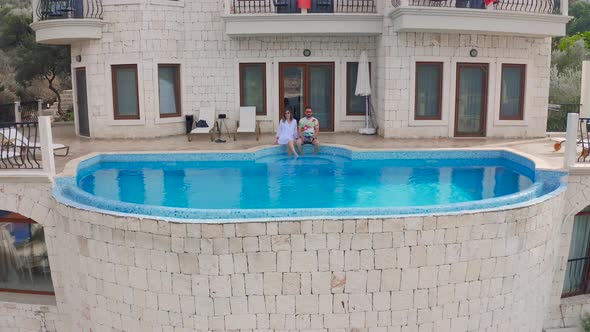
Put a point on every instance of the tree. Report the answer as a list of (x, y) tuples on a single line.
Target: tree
[(567, 42), (580, 22), (30, 60), (43, 61)]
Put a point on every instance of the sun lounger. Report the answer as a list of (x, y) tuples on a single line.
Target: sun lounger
[(14, 134), (206, 114), (247, 122)]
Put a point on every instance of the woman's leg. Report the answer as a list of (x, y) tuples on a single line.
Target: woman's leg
[(291, 148)]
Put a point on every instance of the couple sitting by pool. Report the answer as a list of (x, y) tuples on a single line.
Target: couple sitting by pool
[(307, 132)]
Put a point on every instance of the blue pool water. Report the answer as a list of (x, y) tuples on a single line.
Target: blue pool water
[(336, 183), (308, 182)]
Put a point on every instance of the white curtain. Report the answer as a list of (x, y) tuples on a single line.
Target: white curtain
[(167, 85), (470, 100), (428, 89)]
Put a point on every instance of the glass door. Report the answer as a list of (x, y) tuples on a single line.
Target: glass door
[(308, 84), (82, 102), (471, 100)]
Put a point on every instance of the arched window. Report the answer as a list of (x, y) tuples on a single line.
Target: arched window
[(24, 265)]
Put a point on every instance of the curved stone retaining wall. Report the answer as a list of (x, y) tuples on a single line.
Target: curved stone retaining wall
[(473, 272)]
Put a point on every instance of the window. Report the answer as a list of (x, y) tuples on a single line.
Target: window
[(125, 92), (576, 274), (169, 90), (355, 105), (253, 86), (428, 99), (512, 92), (25, 263)]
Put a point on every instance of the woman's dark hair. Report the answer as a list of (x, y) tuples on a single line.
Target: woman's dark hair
[(284, 119)]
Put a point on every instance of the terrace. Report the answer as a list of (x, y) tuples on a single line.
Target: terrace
[(287, 17), (536, 18), (61, 22)]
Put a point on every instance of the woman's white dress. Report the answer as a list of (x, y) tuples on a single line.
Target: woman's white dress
[(287, 131)]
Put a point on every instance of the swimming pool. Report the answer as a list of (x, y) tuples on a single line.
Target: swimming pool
[(337, 183)]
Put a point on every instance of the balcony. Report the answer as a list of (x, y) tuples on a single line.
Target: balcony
[(60, 22), (285, 17), (535, 18)]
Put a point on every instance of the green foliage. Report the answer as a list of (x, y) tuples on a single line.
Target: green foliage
[(567, 42), (27, 61), (580, 11), (586, 322)]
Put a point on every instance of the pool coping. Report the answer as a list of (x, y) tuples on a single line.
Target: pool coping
[(71, 170)]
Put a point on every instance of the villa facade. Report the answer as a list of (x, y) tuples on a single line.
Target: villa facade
[(73, 259), (438, 68)]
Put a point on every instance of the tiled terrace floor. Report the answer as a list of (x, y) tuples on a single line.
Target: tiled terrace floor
[(541, 149)]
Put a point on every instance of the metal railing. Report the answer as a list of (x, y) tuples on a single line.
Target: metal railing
[(29, 111), (62, 9), (290, 6), (19, 146), (584, 140), (529, 6), (557, 116), (576, 277)]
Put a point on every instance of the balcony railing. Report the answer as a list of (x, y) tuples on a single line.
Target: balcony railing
[(19, 146), (584, 140), (576, 277), (64, 9), (529, 6), (290, 6)]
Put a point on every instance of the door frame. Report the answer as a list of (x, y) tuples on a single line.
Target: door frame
[(306, 91), (76, 99), (485, 92)]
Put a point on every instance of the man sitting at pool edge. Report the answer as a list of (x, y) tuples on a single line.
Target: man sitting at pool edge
[(309, 128)]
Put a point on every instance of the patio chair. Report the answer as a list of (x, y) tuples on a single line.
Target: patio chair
[(206, 114), (14, 134), (247, 122)]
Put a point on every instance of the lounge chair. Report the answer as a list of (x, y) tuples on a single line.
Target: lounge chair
[(247, 122), (14, 134), (206, 114)]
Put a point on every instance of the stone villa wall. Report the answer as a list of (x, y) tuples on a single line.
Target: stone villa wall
[(476, 272), (191, 33), (24, 317), (399, 51), (471, 272), (568, 311)]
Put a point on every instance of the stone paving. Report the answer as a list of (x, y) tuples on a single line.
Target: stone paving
[(541, 149)]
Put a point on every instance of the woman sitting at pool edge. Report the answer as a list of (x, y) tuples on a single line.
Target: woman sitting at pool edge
[(287, 133)]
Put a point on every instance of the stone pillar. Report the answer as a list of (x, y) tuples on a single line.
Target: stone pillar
[(571, 137), (585, 91), (564, 7), (17, 117), (46, 145)]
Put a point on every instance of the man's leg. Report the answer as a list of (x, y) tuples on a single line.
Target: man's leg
[(299, 142), (316, 146)]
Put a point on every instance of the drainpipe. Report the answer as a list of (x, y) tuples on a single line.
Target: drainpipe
[(569, 157)]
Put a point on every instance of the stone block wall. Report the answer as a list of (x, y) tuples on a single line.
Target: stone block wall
[(566, 312), (22, 317), (191, 33), (399, 52), (472, 272)]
